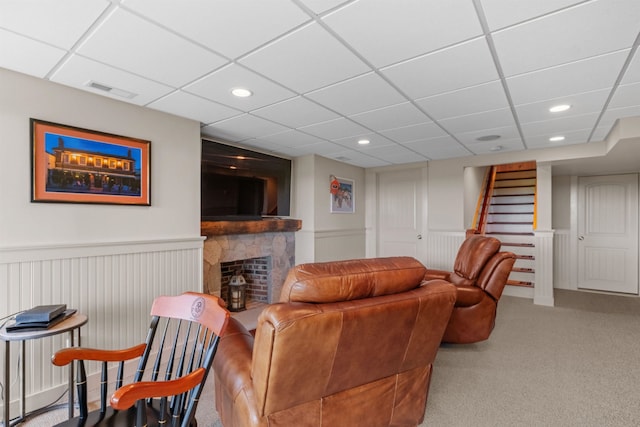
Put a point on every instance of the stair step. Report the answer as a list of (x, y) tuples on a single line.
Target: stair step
[(513, 183), (516, 174), (519, 283), (514, 191), (510, 222), (511, 199), (521, 245), (506, 208), (509, 233)]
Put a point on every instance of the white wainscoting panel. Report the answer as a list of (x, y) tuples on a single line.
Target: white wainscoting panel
[(114, 284), (562, 260), (442, 248)]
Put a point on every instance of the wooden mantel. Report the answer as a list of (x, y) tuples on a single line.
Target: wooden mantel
[(221, 228)]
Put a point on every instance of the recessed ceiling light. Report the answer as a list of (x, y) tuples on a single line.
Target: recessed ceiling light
[(241, 92), (488, 138), (556, 138), (496, 148), (363, 141), (559, 108)]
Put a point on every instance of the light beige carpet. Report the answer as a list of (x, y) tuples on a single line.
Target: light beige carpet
[(576, 364)]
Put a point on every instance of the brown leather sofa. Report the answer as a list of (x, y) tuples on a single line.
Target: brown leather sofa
[(480, 273), (351, 343)]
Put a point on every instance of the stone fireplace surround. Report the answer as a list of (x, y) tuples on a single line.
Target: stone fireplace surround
[(239, 240)]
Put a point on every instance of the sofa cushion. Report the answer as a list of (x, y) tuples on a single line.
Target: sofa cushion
[(351, 280)]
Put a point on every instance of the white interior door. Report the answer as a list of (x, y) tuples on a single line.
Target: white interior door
[(608, 233), (400, 213)]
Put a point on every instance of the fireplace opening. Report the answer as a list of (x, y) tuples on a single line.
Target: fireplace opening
[(256, 272)]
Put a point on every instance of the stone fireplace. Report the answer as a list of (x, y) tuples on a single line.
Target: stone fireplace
[(232, 245)]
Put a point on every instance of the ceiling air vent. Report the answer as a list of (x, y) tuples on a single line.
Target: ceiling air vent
[(112, 90)]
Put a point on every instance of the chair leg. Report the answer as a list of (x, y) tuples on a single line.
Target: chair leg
[(81, 384)]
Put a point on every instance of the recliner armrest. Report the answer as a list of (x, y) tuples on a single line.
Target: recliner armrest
[(468, 295), (232, 364), (436, 274)]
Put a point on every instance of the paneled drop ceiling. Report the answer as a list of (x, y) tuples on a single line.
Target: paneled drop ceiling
[(418, 79)]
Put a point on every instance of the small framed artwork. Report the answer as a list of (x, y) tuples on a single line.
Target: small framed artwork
[(342, 195), (74, 165)]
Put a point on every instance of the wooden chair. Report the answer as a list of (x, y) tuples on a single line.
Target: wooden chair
[(189, 327)]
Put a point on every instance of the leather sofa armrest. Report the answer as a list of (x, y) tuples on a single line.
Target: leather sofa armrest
[(468, 295), (232, 363), (436, 274)]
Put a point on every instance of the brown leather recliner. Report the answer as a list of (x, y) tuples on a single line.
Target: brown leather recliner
[(480, 273), (350, 344)]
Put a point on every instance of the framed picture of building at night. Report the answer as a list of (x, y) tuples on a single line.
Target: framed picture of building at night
[(74, 165)]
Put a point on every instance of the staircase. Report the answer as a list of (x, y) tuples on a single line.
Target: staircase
[(508, 213)]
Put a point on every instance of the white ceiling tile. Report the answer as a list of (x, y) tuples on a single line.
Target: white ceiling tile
[(292, 138), (439, 148), (335, 129), (321, 6), (152, 52), (559, 126), (311, 66), (27, 56), (375, 141), (59, 23), (503, 13), (414, 132), (217, 87), (373, 27), (395, 116), (568, 36), (479, 121), (581, 76), (581, 103), (79, 72), (445, 70), (296, 112), (632, 74), (505, 133), (314, 59), (579, 136), (357, 158), (244, 127), (396, 154), (363, 93), (265, 146), (620, 113), (231, 28), (484, 97), (626, 96), (493, 147), (324, 148), (187, 105)]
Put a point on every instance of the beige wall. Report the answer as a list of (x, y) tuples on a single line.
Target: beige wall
[(326, 236), (175, 165)]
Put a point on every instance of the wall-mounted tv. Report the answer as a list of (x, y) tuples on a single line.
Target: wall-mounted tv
[(240, 184)]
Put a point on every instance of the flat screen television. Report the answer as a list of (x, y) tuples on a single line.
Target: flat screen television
[(240, 184)]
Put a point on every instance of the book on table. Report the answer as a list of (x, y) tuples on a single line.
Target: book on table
[(40, 318)]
